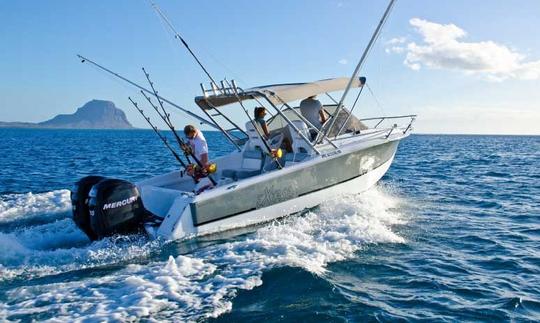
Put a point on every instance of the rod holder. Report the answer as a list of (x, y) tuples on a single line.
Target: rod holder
[(204, 91), (223, 88)]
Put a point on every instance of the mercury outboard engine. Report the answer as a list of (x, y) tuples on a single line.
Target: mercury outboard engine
[(112, 206), (79, 204)]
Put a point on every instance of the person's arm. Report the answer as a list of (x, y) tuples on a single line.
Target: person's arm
[(265, 129), (323, 116)]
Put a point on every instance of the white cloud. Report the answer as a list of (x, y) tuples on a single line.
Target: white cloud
[(343, 61), (395, 49), (443, 48), (397, 40)]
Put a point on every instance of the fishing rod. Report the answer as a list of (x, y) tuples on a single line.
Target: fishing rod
[(176, 156), (191, 114), (166, 117), (179, 37), (188, 152), (165, 120), (358, 66)]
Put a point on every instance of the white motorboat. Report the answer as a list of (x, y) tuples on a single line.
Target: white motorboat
[(251, 188), (254, 183)]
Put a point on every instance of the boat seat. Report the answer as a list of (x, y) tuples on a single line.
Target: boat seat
[(300, 148), (253, 137), (251, 164), (299, 145)]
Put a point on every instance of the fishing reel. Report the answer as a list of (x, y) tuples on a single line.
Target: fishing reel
[(199, 172), (276, 153)]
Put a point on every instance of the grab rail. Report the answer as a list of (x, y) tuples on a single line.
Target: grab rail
[(391, 129), (412, 116)]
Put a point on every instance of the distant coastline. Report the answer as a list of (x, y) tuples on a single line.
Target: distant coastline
[(95, 114)]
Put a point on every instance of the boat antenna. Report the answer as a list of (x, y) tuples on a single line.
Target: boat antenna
[(181, 39), (141, 111), (357, 69), (191, 114)]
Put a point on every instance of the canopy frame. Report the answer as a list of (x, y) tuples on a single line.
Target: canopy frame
[(286, 92), (229, 93)]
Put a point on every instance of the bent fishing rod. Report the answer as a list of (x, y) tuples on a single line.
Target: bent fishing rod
[(191, 114), (141, 111)]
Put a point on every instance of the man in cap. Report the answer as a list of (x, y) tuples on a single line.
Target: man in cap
[(313, 111), (197, 144)]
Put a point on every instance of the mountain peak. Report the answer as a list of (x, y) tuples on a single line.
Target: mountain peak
[(95, 114)]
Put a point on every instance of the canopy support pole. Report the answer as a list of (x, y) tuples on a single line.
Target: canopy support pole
[(350, 113), (358, 66)]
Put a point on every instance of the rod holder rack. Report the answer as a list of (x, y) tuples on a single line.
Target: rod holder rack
[(224, 88)]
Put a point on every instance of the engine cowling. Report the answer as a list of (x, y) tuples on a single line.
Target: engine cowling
[(115, 206), (79, 204)]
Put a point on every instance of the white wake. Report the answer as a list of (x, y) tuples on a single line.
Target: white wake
[(204, 283)]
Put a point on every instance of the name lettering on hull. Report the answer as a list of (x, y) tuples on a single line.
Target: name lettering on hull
[(273, 195), (332, 153)]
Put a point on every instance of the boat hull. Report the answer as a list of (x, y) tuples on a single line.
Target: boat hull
[(354, 186), (301, 188)]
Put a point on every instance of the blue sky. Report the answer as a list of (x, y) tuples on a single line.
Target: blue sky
[(462, 66)]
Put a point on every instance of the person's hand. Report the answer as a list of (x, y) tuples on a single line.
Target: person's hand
[(187, 149)]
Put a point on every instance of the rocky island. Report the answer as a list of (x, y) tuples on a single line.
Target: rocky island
[(95, 114)]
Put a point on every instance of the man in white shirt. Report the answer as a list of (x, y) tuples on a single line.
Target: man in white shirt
[(313, 111), (198, 144)]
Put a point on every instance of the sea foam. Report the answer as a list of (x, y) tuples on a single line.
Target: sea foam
[(28, 205), (203, 283)]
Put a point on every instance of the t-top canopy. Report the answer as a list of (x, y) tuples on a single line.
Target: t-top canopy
[(280, 93)]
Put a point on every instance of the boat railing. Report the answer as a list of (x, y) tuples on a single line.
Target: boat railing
[(391, 129)]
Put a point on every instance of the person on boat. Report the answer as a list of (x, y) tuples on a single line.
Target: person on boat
[(259, 114), (197, 143), (312, 110), (198, 147)]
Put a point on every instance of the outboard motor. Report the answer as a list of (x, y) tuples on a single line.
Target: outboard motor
[(115, 206), (79, 204)]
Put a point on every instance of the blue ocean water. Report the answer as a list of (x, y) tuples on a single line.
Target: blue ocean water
[(451, 233)]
